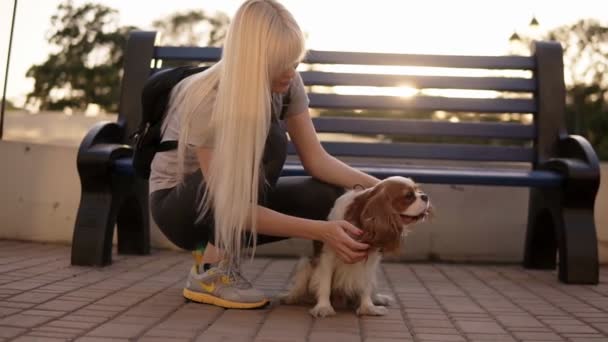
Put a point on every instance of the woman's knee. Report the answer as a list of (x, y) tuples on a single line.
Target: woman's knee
[(304, 197), (324, 192), (177, 220)]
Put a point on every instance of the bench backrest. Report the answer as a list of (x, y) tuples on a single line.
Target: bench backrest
[(536, 90)]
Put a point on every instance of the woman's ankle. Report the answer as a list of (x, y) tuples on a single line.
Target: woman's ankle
[(212, 254)]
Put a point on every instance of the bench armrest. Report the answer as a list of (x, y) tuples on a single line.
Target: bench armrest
[(575, 155), (577, 147), (579, 165), (102, 132), (99, 148)]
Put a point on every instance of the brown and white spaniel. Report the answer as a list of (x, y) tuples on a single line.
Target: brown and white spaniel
[(385, 214)]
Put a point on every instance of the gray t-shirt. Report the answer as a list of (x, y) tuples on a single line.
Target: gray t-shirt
[(164, 165)]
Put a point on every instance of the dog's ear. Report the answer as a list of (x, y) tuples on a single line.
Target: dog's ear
[(354, 209), (431, 213), (380, 223)]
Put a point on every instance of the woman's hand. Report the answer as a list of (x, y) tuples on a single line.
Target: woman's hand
[(337, 233)]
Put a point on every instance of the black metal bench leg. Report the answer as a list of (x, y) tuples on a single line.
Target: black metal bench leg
[(578, 255), (94, 228), (553, 227), (540, 250), (133, 225)]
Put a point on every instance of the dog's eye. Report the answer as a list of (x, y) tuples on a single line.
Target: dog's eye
[(410, 195)]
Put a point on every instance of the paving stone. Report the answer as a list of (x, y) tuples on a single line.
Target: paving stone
[(324, 336), (25, 321), (42, 298), (481, 327), (61, 304), (4, 311), (117, 330), (440, 337), (162, 339), (39, 338), (101, 339), (574, 328), (490, 338), (48, 313), (33, 297), (539, 336), (8, 332)]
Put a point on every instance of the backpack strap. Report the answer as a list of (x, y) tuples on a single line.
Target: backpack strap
[(168, 145), (285, 105)]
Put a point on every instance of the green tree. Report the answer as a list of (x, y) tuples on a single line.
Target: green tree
[(9, 105), (86, 65), (192, 28), (88, 44), (585, 45), (586, 59)]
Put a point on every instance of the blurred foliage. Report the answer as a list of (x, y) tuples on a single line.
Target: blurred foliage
[(85, 67), (585, 45), (9, 105), (192, 28)]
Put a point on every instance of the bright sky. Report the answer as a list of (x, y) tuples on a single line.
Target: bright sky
[(423, 26)]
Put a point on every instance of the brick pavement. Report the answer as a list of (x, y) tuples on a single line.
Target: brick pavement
[(42, 298)]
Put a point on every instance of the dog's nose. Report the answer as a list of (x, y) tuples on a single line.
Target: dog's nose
[(424, 197)]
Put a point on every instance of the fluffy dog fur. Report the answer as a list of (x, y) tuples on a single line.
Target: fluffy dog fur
[(384, 213)]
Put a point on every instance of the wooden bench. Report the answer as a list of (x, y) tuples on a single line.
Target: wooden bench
[(561, 170)]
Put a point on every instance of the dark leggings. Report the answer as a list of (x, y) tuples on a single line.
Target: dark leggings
[(175, 210)]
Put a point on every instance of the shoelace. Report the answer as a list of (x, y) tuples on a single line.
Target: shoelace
[(234, 274)]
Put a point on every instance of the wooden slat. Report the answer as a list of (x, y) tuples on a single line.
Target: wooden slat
[(427, 151), (475, 62), (318, 100), (419, 82), (355, 125), (334, 57)]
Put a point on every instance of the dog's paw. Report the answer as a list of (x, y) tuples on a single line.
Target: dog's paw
[(291, 298), (382, 299), (372, 310), (322, 311), (287, 298)]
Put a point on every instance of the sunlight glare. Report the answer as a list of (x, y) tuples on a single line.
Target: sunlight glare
[(401, 91)]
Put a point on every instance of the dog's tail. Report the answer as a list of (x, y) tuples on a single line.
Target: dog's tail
[(298, 292)]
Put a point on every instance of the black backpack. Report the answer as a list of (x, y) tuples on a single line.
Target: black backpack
[(154, 100)]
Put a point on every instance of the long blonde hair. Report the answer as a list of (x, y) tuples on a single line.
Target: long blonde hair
[(262, 42)]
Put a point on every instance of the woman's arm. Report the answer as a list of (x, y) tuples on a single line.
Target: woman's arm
[(271, 222), (334, 233), (317, 161)]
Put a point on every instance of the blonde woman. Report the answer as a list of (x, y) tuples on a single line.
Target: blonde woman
[(220, 191)]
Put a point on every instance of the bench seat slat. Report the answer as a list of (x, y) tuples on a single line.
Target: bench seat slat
[(425, 103), (438, 175), (354, 125), (431, 175), (427, 151), (419, 82)]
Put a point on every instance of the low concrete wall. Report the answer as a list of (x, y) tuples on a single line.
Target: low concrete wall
[(41, 192)]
